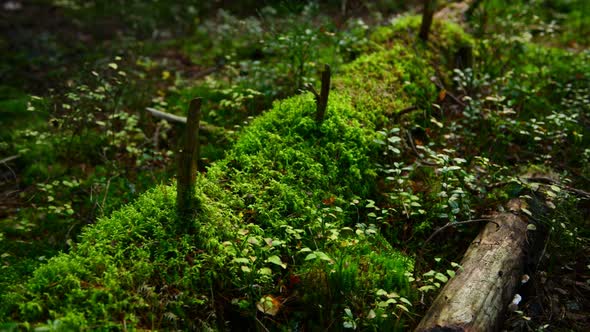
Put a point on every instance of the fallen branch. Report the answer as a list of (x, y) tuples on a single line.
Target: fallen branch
[(310, 88), (322, 101), (204, 127), (9, 159), (543, 180), (166, 116)]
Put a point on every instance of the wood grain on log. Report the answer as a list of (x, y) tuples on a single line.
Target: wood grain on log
[(476, 298)]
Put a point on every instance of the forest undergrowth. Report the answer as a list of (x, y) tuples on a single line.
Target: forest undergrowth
[(350, 223)]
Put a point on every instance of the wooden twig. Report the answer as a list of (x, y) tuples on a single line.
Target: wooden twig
[(550, 181), (261, 325), (413, 146), (322, 101), (204, 127), (166, 116), (453, 224), (439, 85), (427, 14), (156, 137), (406, 111), (343, 8), (106, 193), (187, 163), (310, 88), (6, 160), (543, 251), (9, 159)]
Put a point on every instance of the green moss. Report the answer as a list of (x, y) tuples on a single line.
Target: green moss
[(300, 167), (443, 48), (397, 71), (357, 272), (445, 36), (383, 83), (281, 194)]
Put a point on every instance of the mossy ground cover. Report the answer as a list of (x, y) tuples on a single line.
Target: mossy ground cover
[(303, 225), (88, 148), (279, 235)]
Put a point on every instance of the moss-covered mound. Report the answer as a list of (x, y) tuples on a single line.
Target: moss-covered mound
[(278, 239)]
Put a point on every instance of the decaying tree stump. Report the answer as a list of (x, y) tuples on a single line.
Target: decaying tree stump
[(476, 298)]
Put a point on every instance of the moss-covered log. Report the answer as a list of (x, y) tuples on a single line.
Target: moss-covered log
[(278, 240), (476, 298)]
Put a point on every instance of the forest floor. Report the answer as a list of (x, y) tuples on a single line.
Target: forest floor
[(50, 57)]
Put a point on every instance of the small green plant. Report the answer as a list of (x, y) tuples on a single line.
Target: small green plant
[(433, 280), (349, 322)]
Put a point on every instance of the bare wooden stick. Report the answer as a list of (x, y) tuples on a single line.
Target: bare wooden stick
[(166, 116), (187, 162), (322, 101), (8, 159), (439, 85), (427, 14), (311, 89), (204, 127)]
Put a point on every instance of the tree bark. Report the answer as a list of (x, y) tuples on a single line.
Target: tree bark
[(476, 298)]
